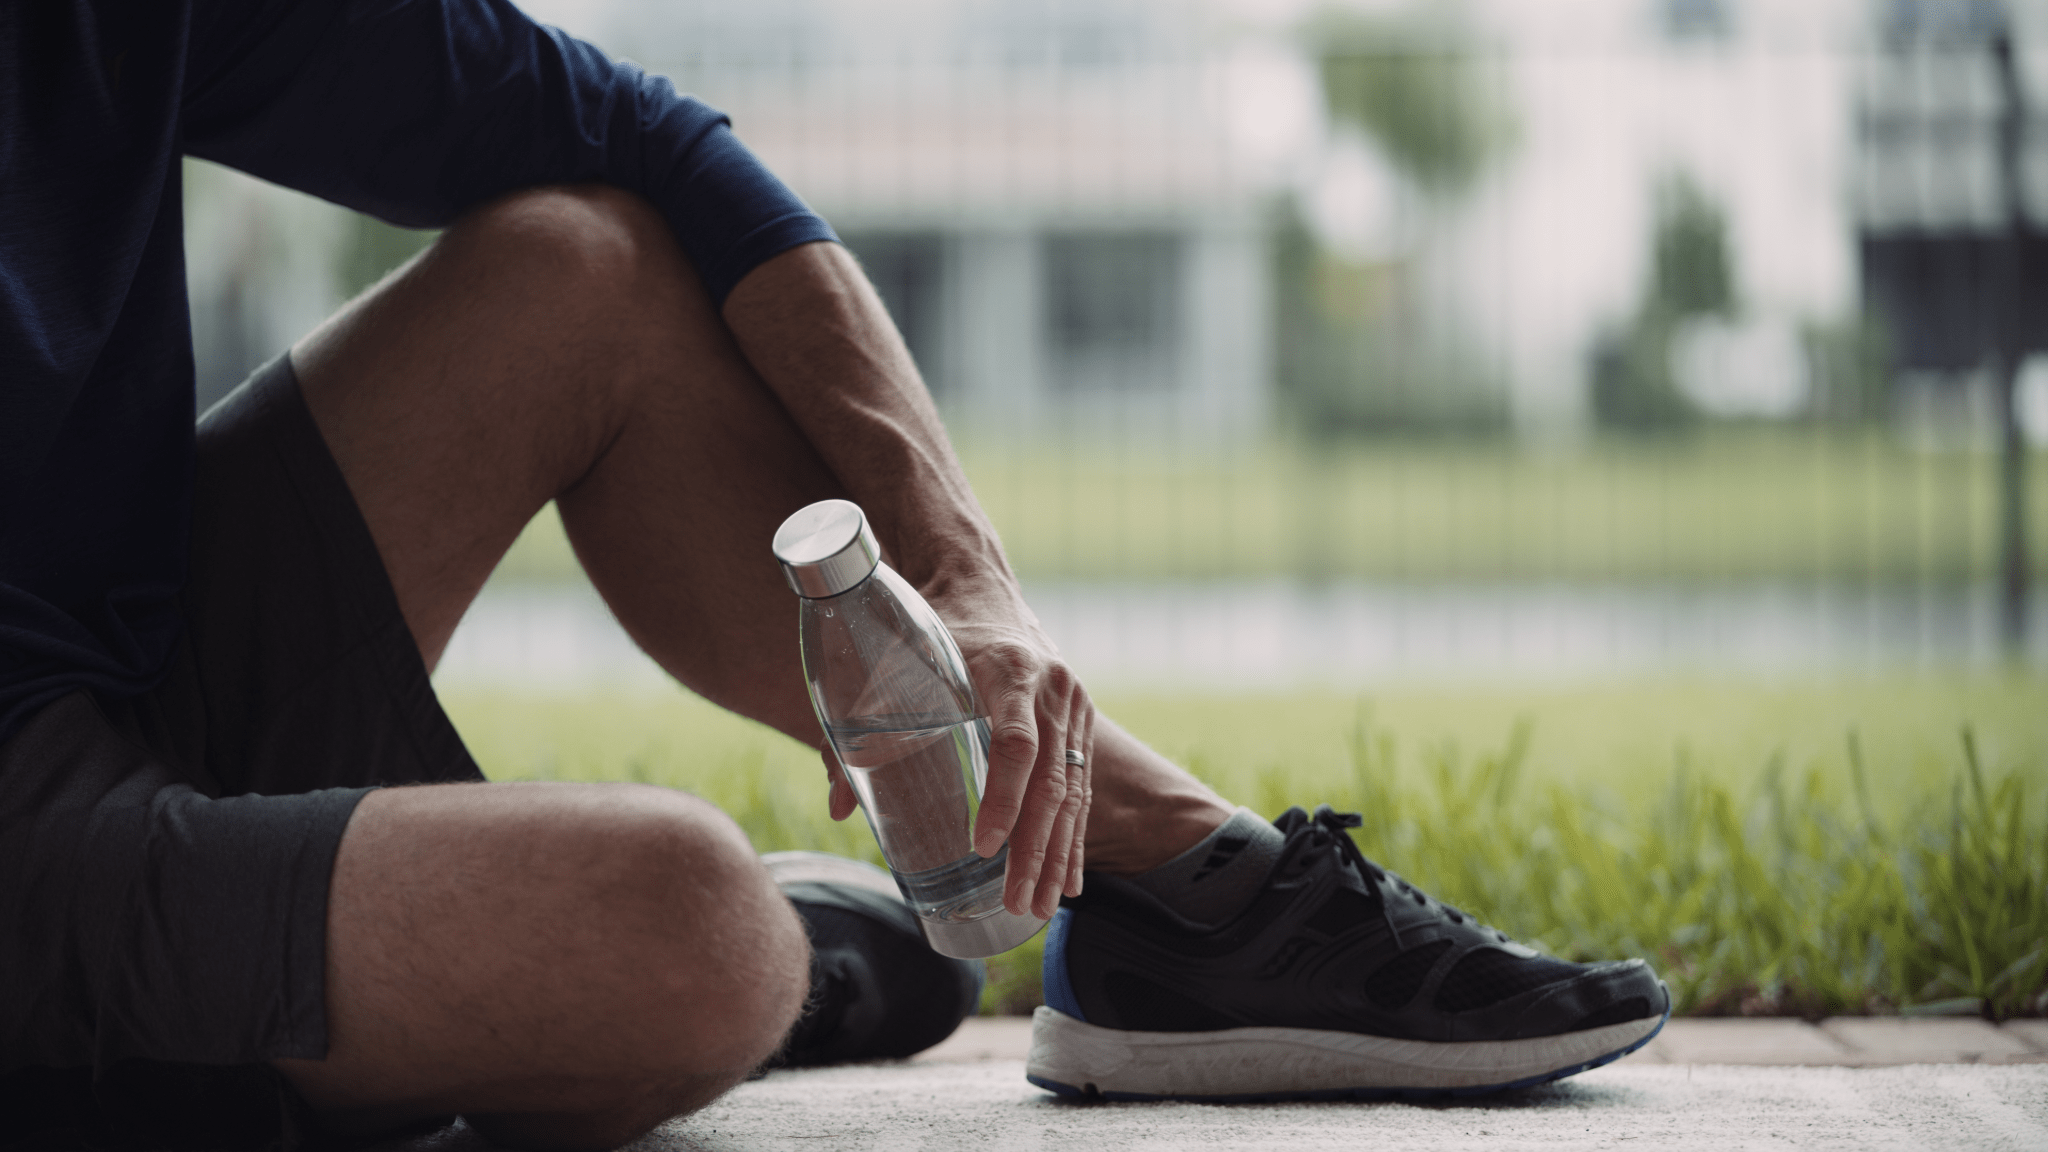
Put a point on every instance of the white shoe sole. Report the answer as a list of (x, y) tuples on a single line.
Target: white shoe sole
[(1077, 1059)]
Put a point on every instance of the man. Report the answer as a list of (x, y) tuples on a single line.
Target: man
[(216, 927)]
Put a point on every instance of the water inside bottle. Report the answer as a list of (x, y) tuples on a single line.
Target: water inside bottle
[(919, 777)]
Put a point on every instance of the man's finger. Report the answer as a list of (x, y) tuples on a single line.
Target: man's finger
[(1063, 846), (1031, 841), (1084, 784), (1038, 828), (1059, 851), (841, 799), (1012, 753)]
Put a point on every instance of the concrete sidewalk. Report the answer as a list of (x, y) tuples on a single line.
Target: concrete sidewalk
[(1688, 1108), (1703, 1085)]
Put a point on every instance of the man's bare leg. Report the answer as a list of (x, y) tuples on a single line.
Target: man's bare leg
[(557, 346), (566, 965)]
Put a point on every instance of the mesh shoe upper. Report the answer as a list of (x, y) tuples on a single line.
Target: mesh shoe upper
[(1333, 942)]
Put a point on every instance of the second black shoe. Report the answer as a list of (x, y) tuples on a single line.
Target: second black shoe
[(1338, 981), (878, 991)]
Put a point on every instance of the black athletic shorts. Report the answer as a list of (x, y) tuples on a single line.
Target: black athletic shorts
[(164, 860)]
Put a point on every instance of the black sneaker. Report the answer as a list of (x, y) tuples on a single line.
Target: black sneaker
[(1339, 981), (878, 991)]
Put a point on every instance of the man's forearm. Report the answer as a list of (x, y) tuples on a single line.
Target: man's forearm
[(819, 336), (814, 329)]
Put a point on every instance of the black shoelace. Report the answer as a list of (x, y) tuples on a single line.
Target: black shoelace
[(1329, 826)]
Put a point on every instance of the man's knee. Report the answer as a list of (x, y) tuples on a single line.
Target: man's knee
[(601, 955), (689, 882)]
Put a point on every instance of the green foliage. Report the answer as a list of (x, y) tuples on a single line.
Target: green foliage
[(1633, 387), (1348, 364), (1355, 351), (1691, 272), (1413, 82), (1885, 867), (1785, 897), (1850, 360), (1691, 278)]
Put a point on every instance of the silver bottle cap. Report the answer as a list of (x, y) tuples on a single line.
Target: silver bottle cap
[(826, 548)]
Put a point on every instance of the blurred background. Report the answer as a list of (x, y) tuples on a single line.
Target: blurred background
[(1603, 441), (1294, 344)]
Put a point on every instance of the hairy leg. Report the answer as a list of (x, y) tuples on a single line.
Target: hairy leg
[(567, 965)]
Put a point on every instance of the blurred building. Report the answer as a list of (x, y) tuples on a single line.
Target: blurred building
[(1950, 184), (1952, 256), (1043, 193), (1067, 205)]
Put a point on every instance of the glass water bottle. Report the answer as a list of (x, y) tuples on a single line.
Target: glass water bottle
[(892, 693)]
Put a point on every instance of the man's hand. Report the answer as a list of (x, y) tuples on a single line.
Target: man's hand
[(812, 326), (1036, 800), (1038, 712)]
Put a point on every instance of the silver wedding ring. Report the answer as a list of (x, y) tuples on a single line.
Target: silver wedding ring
[(1075, 758)]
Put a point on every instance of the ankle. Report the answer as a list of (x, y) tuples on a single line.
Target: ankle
[(1127, 838), (1146, 809)]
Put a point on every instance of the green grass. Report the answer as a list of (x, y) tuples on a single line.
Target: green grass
[(1724, 505), (1849, 846)]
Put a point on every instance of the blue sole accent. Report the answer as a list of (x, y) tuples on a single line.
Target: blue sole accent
[(1059, 989), (1070, 1092)]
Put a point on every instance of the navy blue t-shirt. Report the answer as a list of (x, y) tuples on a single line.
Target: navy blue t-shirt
[(411, 110)]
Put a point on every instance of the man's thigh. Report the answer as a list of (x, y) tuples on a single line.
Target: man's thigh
[(297, 670)]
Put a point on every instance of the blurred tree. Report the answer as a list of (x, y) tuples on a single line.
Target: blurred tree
[(1634, 389), (1412, 82), (1851, 368), (1691, 278), (1359, 348), (1346, 359)]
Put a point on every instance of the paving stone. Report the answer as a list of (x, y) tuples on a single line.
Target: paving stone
[(1895, 1040), (2031, 1032), (1755, 1041)]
